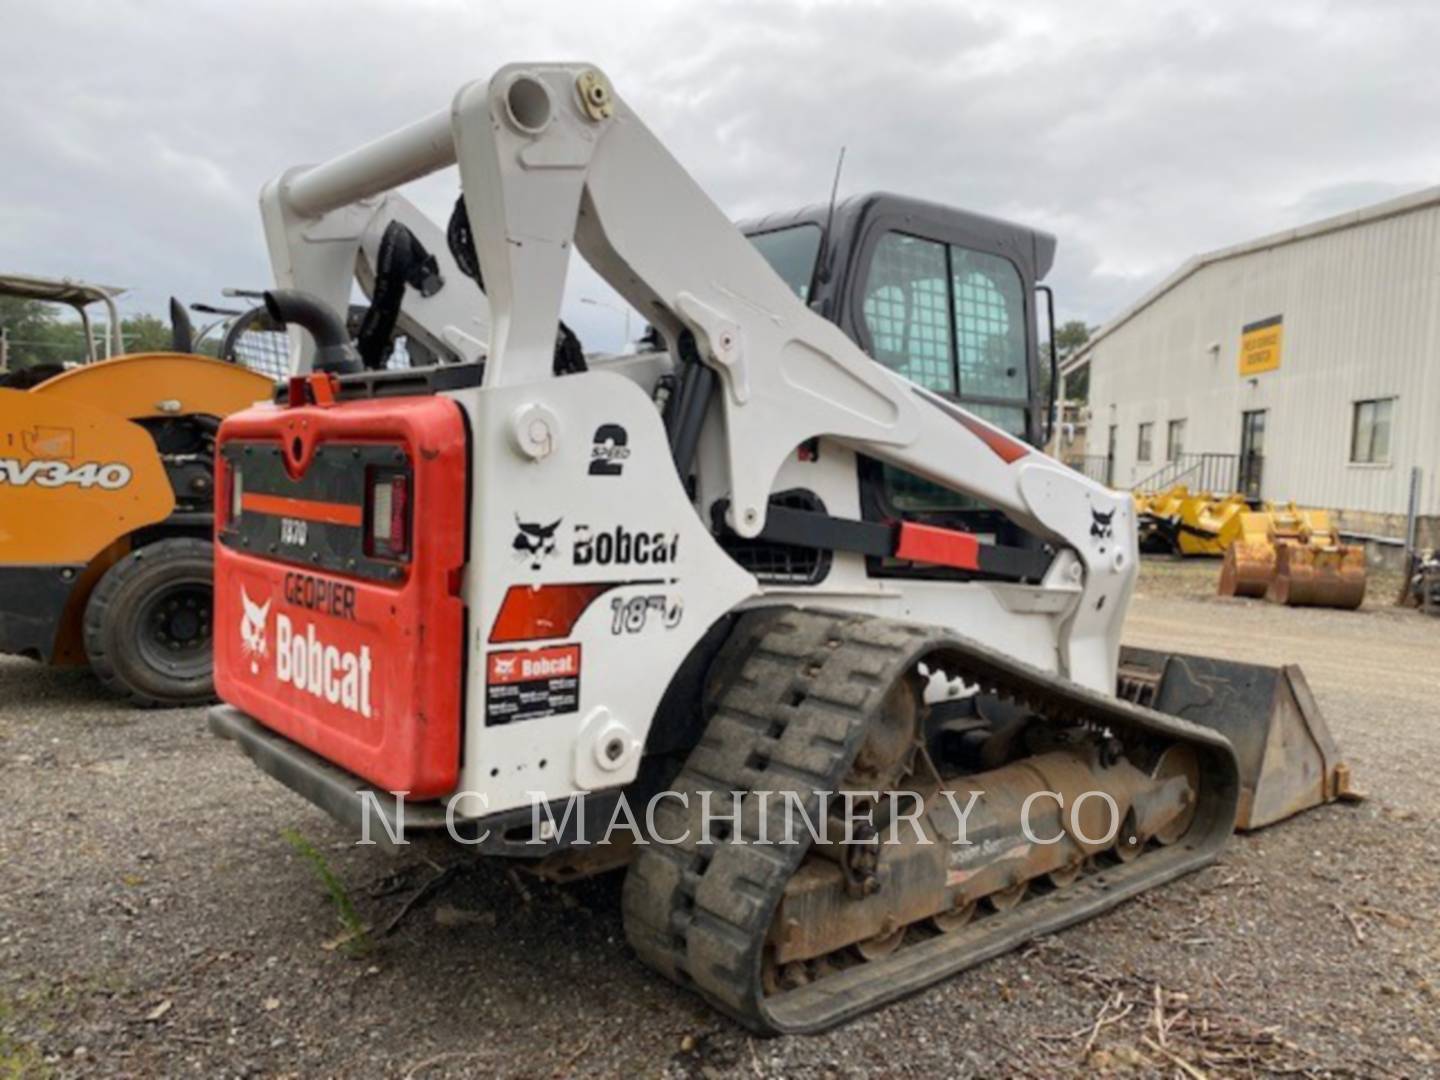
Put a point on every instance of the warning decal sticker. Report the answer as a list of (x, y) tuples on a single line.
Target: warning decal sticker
[(529, 684)]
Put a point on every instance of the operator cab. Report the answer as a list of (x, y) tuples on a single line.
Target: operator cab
[(945, 297)]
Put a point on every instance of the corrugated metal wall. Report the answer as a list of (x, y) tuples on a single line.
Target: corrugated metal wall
[(1361, 311)]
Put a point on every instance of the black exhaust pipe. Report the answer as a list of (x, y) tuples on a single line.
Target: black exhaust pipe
[(182, 334), (333, 351)]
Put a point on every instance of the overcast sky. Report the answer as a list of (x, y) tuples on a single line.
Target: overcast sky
[(135, 136)]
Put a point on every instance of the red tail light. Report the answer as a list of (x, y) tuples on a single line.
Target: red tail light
[(387, 514), (227, 507)]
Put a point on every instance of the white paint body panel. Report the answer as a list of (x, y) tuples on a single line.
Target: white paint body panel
[(606, 186)]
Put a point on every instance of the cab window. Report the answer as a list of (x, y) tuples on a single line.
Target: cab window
[(989, 304), (951, 319), (907, 311), (791, 254)]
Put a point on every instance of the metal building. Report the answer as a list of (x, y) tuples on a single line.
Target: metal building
[(1302, 366)]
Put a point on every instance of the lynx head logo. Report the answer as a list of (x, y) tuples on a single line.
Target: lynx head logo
[(535, 542), (1100, 527), (252, 629)]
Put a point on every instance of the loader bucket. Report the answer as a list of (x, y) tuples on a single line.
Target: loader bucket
[(1307, 576), (1247, 569), (1288, 760)]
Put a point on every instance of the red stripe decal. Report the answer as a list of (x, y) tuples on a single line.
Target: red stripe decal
[(535, 612), (940, 547), (1009, 450), (309, 509)]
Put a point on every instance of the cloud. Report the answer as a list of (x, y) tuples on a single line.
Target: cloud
[(136, 135)]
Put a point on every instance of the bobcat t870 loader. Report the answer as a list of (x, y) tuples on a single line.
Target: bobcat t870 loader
[(740, 578)]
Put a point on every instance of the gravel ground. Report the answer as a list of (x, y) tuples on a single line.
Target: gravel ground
[(157, 915)]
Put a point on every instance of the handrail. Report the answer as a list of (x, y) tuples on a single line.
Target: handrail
[(1214, 472)]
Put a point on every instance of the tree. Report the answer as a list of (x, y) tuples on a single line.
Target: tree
[(146, 333), (1070, 338), (36, 333), (30, 330)]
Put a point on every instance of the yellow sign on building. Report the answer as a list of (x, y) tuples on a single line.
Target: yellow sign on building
[(1260, 345)]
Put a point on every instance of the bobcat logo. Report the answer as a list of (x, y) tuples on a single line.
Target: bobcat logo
[(1100, 525), (535, 542), (252, 630), (504, 667)]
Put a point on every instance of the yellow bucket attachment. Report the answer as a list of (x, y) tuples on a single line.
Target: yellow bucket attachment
[(1294, 557), (1208, 525)]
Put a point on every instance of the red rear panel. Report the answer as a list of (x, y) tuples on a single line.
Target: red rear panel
[(323, 632)]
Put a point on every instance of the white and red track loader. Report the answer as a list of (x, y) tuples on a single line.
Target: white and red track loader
[(798, 545)]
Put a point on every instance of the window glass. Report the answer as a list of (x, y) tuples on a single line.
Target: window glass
[(908, 492), (989, 325), (1142, 449), (1175, 440), (1008, 418), (1370, 432), (907, 312), (928, 306), (791, 254)]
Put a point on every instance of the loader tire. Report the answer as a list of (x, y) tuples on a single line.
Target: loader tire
[(148, 625)]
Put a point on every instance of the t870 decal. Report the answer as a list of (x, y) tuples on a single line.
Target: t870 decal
[(53, 474), (631, 615)]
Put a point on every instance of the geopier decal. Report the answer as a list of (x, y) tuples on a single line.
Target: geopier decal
[(54, 474), (321, 595), (535, 543)]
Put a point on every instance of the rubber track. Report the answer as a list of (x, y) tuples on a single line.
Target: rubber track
[(794, 694)]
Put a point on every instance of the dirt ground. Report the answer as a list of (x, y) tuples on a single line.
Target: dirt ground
[(163, 911)]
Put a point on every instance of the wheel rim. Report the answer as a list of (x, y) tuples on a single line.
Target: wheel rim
[(1005, 899), (880, 946), (1179, 761), (949, 921), (1064, 876), (175, 629)]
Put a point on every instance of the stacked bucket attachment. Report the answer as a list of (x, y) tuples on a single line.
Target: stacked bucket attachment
[(1294, 557), (1158, 517), (1179, 522)]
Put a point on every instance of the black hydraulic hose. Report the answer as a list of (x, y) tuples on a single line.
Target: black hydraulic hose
[(697, 387), (333, 351)]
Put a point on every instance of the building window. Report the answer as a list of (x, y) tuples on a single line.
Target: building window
[(1142, 451), (1370, 431), (1175, 440)]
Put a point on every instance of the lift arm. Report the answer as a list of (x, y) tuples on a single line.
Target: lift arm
[(550, 160)]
